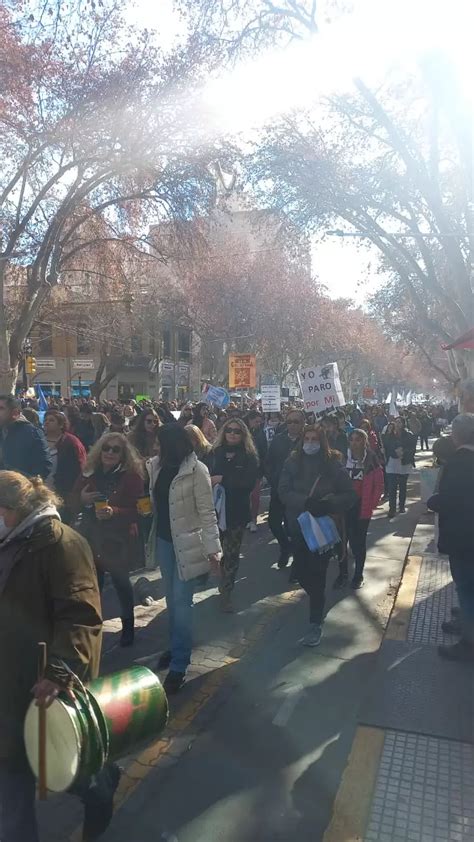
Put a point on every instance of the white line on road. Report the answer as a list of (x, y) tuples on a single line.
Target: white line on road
[(292, 697)]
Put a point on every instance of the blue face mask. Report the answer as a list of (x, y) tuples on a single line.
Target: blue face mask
[(311, 447)]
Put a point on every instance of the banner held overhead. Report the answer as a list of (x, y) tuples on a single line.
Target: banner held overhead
[(242, 371), (271, 398)]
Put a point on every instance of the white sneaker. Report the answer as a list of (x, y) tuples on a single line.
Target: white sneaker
[(252, 526), (313, 638)]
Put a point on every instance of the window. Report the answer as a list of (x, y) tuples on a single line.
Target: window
[(136, 344), (184, 345), (83, 339), (44, 340), (166, 337)]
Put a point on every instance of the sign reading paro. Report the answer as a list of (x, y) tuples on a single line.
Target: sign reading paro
[(321, 387)]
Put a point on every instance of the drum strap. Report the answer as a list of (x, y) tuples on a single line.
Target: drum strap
[(79, 688)]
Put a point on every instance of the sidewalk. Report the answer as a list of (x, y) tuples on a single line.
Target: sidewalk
[(410, 774), (261, 733)]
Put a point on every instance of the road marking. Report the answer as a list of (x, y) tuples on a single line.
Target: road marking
[(399, 622), (292, 697), (354, 797)]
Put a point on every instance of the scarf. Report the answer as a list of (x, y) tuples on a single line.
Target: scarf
[(19, 534)]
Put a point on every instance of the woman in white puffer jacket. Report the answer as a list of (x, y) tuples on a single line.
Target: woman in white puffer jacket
[(184, 539)]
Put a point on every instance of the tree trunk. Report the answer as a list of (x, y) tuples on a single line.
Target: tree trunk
[(8, 378)]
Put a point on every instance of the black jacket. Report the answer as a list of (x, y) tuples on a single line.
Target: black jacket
[(297, 480), (24, 449), (239, 477), (407, 441), (278, 452), (455, 504), (261, 446)]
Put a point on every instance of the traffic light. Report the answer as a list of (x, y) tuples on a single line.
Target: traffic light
[(30, 365)]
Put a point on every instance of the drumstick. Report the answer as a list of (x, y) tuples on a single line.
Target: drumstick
[(42, 783)]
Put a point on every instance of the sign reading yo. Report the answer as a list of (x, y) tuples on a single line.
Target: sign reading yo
[(321, 387)]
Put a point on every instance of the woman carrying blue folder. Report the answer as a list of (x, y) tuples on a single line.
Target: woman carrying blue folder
[(313, 480)]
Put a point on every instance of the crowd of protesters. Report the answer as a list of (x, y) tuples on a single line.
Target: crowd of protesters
[(89, 489), (102, 459)]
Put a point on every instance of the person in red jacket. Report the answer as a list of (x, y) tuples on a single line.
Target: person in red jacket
[(107, 493), (68, 456), (367, 480)]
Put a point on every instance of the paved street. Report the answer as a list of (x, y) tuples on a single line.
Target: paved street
[(260, 735)]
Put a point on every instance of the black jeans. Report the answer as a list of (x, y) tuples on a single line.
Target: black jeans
[(277, 522), (311, 570), (424, 440), (357, 535), (397, 482), (17, 805), (123, 586), (462, 571)]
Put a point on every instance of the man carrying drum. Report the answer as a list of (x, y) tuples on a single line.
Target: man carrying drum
[(48, 592)]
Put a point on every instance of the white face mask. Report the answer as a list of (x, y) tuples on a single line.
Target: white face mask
[(311, 447)]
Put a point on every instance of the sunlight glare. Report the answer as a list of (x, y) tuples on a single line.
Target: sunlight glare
[(378, 36)]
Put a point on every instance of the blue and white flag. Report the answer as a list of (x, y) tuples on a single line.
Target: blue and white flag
[(42, 402), (320, 533)]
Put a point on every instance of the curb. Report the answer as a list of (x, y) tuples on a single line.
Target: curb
[(354, 797)]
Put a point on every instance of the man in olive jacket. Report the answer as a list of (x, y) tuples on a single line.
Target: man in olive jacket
[(48, 592)]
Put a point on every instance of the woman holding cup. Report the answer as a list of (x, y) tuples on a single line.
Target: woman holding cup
[(107, 494)]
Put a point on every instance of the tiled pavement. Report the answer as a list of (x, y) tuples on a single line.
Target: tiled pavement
[(424, 787), (435, 596), (424, 791)]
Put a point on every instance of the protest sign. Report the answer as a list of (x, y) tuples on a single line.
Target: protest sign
[(271, 399), (216, 395), (321, 387), (242, 371)]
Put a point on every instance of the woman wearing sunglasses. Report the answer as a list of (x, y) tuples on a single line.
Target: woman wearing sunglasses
[(107, 494), (313, 480), (142, 435), (236, 469)]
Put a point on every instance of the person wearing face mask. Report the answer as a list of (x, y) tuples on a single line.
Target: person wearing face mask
[(280, 448), (367, 481), (313, 480)]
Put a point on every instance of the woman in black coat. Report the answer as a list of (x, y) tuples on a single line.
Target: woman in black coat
[(236, 469), (313, 480)]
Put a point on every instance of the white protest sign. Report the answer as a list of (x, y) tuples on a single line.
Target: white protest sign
[(321, 387), (271, 399)]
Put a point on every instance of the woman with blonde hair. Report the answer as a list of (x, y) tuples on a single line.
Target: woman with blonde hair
[(201, 446), (107, 494), (48, 592), (235, 467)]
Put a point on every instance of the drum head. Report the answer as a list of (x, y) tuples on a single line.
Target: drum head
[(63, 744)]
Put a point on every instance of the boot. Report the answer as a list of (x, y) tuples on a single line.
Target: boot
[(128, 631), (98, 802)]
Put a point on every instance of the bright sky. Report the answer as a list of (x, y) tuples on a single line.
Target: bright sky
[(380, 35)]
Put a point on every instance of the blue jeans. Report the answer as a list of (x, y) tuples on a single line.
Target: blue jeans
[(462, 571), (179, 602), (17, 805)]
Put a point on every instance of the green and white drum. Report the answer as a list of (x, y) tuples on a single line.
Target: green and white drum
[(135, 708), (119, 713)]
